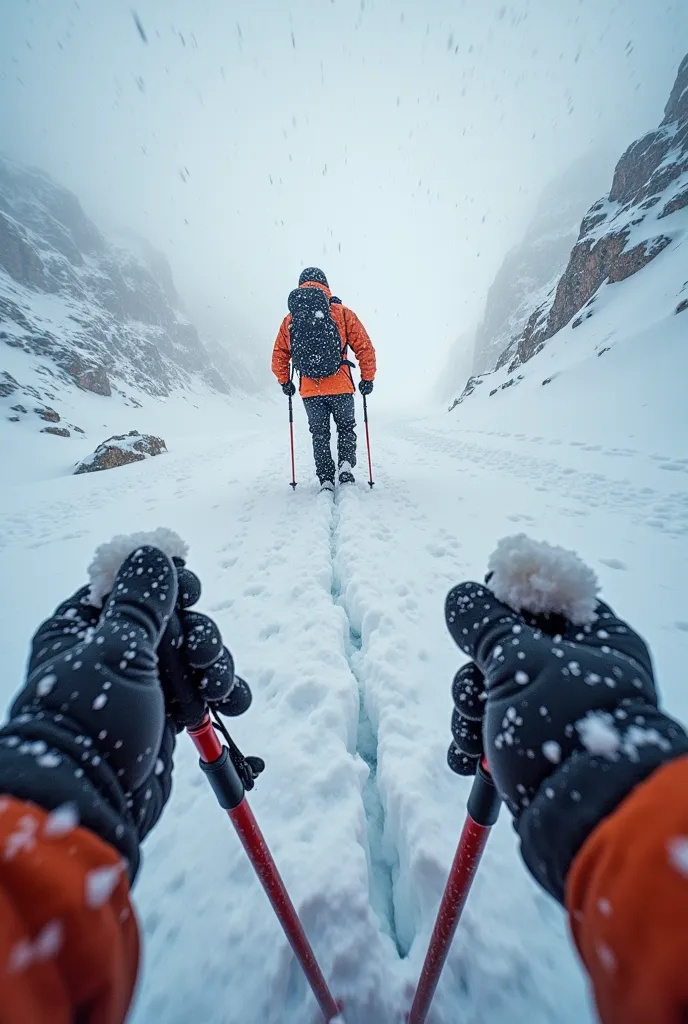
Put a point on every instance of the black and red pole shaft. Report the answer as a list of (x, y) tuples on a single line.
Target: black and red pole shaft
[(229, 790), (483, 810), (291, 442), (371, 482)]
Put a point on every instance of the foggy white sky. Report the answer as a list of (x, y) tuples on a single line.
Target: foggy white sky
[(399, 145)]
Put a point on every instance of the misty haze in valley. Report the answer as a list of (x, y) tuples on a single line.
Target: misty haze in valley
[(402, 146)]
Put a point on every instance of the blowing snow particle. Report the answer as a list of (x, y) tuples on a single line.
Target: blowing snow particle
[(48, 941), (61, 821), (552, 751), (45, 685), (606, 957), (598, 734), (49, 760), (100, 885), (678, 854), (101, 700)]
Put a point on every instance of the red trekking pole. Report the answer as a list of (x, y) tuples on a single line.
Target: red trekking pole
[(371, 482), (483, 810), (229, 790), (291, 439)]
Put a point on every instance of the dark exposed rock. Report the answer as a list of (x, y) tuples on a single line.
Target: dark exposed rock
[(18, 257), (13, 419), (90, 378), (682, 306), (678, 202), (471, 385), (8, 385), (46, 413), (59, 431), (121, 450), (630, 262), (677, 104), (18, 408)]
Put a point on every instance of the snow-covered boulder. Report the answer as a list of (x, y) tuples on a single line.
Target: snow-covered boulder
[(120, 450)]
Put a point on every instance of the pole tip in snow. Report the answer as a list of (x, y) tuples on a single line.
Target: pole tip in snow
[(293, 485), (371, 484)]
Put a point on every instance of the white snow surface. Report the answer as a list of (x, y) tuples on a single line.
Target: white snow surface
[(535, 576), (333, 610)]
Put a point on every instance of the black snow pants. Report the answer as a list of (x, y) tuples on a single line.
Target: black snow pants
[(319, 410)]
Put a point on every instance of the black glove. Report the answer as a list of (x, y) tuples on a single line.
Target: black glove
[(195, 667), (570, 723), (90, 726), (289, 388), (365, 387), (197, 673)]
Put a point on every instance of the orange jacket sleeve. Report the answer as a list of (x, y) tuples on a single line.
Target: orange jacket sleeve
[(627, 894), (357, 337), (281, 353), (68, 937)]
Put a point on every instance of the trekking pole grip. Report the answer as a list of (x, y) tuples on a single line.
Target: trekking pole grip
[(217, 765), (484, 800)]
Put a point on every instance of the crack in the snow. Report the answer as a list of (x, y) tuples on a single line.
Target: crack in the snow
[(381, 871)]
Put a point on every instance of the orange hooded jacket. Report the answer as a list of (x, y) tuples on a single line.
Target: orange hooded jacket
[(69, 942), (352, 333)]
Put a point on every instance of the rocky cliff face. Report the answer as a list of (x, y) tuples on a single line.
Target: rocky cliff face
[(623, 232), (531, 270), (620, 235), (103, 315)]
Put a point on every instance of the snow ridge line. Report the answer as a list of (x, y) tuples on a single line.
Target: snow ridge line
[(380, 870)]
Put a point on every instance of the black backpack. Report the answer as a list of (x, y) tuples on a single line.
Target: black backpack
[(316, 345)]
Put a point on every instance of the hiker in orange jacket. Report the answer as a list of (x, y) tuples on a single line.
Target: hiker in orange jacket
[(332, 395), (86, 765)]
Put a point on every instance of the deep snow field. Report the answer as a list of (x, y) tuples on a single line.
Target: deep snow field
[(333, 610)]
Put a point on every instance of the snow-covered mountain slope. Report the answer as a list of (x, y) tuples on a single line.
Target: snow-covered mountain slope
[(624, 343), (531, 269), (334, 612), (620, 237), (96, 315)]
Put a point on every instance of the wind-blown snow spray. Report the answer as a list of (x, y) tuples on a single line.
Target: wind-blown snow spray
[(217, 764), (528, 576)]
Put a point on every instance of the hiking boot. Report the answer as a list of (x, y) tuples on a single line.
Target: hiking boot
[(327, 485), (345, 474)]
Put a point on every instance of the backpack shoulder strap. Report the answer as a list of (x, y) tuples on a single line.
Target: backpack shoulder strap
[(345, 348)]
